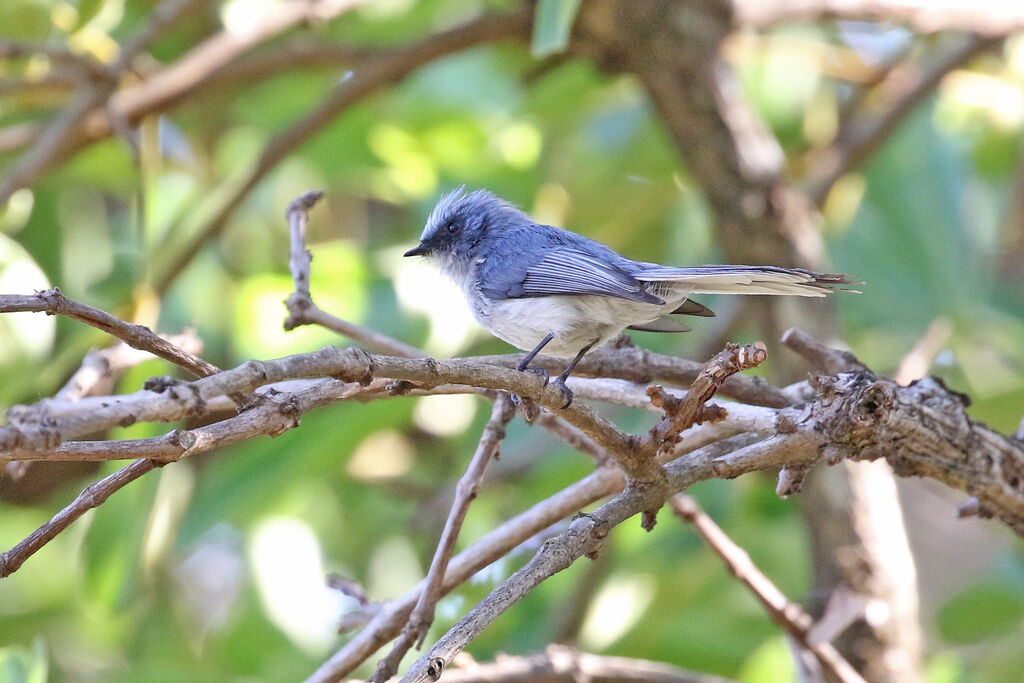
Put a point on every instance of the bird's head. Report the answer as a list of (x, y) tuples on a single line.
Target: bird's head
[(458, 225)]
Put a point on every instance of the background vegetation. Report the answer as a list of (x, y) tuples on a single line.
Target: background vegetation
[(213, 568)]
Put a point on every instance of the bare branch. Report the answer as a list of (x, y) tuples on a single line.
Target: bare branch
[(388, 623), (681, 415), (584, 537), (269, 415), (559, 664), (968, 452), (100, 366), (93, 496), (302, 310), (422, 617), (622, 360), (787, 614), (52, 302)]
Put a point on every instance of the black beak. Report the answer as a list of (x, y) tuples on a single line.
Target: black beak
[(417, 250)]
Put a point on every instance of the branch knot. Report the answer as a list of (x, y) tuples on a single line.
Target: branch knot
[(359, 366)]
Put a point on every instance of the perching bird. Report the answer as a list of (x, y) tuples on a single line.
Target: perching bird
[(539, 287)]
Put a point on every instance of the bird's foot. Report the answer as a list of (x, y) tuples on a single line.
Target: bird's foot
[(539, 372), (566, 392)]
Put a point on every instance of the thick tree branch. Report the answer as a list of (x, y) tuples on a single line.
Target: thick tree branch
[(269, 416), (860, 415), (92, 496)]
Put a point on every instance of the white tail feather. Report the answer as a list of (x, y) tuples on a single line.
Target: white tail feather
[(766, 280)]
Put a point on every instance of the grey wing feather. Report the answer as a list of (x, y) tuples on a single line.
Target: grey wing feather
[(569, 271)]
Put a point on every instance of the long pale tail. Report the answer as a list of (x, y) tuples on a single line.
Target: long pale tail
[(746, 280)]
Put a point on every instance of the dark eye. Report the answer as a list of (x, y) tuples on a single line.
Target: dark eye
[(452, 226)]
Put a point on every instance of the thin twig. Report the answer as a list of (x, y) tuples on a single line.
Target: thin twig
[(784, 612), (301, 308), (52, 302), (560, 664), (389, 621), (422, 617), (584, 537), (269, 416), (100, 366), (692, 410), (92, 496)]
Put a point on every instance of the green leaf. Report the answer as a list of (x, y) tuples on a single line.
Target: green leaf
[(551, 26), (981, 612)]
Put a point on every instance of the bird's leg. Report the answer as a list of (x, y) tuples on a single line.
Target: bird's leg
[(529, 357), (533, 354), (559, 382)]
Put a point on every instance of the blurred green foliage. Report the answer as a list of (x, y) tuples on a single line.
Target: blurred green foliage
[(172, 580)]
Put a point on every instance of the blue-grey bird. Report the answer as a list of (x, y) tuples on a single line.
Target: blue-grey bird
[(540, 287)]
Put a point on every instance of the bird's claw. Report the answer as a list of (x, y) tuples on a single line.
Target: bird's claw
[(539, 372), (558, 383), (566, 392)]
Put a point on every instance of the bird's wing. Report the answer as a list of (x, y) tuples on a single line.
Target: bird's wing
[(745, 279), (562, 270)]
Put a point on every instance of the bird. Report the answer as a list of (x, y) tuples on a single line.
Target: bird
[(539, 287)]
